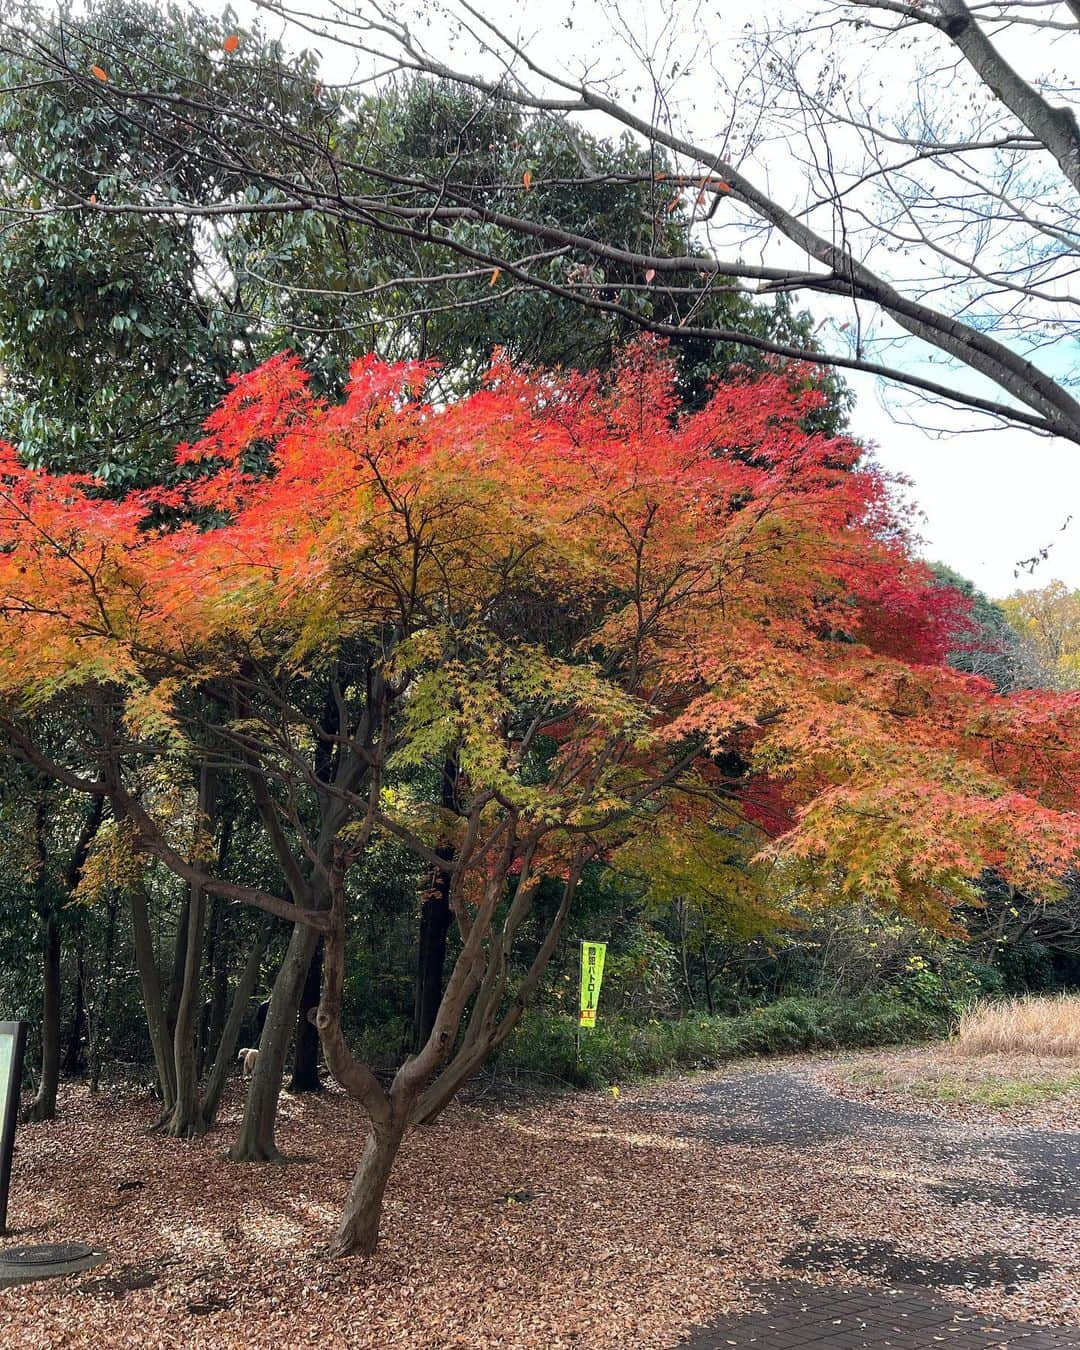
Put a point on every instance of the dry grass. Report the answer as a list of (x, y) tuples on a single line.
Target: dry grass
[(1029, 1026)]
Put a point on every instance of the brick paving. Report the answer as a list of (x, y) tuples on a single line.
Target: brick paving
[(833, 1318)]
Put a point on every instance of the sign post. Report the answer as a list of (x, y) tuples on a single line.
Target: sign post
[(12, 1045), (592, 973)]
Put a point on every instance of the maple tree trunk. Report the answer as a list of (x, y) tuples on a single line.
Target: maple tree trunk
[(43, 1107), (450, 1082), (255, 1140), (150, 985), (487, 1030), (305, 1074), (358, 1231)]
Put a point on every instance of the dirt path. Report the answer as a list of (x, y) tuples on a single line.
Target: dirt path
[(587, 1220), (1019, 1186)]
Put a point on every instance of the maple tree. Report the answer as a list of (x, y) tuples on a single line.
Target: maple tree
[(621, 621)]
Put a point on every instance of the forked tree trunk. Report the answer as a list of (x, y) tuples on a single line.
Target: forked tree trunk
[(358, 1232), (255, 1140), (43, 1107)]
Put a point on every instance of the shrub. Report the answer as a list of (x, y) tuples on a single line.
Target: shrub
[(619, 1050)]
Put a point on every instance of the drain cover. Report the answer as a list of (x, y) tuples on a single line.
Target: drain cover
[(47, 1254), (50, 1260)]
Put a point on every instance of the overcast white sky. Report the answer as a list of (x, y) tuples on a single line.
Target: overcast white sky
[(991, 498)]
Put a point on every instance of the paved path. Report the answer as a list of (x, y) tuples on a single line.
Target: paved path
[(800, 1317), (910, 1310)]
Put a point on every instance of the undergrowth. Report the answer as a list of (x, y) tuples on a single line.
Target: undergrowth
[(617, 1051)]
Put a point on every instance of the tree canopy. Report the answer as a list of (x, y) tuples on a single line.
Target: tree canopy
[(621, 617)]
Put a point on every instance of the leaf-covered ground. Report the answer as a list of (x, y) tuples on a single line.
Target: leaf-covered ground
[(572, 1222)]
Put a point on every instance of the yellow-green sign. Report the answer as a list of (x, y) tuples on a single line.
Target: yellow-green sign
[(592, 972)]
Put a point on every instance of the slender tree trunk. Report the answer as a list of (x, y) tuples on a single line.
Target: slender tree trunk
[(217, 976), (176, 980), (74, 1062), (255, 1141), (434, 925), (150, 984), (186, 1119), (358, 1232), (230, 1035), (43, 1106), (707, 973), (683, 953), (100, 1017), (305, 1074), (79, 1030)]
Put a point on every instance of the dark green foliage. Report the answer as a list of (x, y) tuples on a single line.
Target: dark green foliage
[(618, 1051), (118, 331)]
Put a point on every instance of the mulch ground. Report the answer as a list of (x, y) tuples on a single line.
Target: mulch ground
[(572, 1222)]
